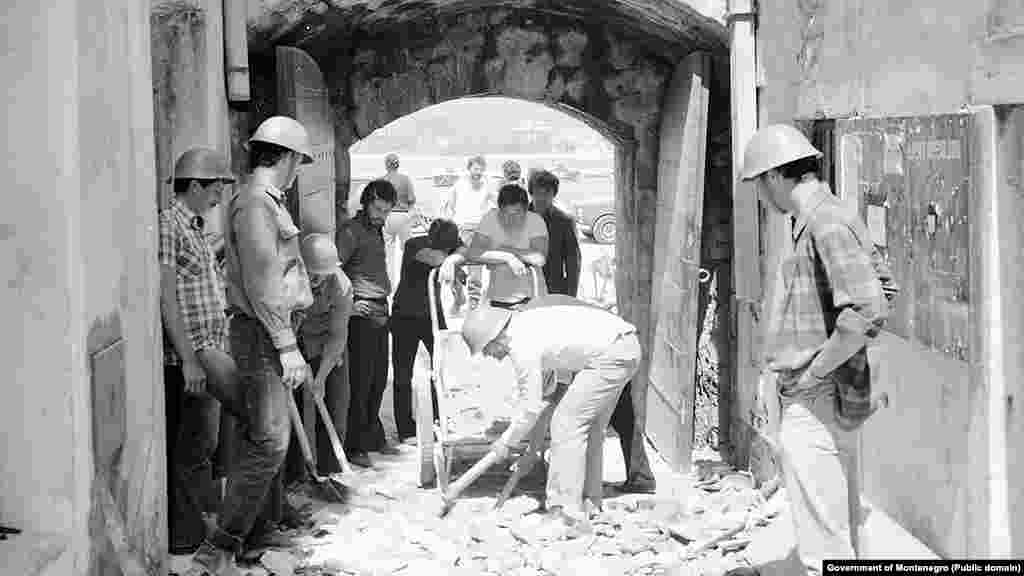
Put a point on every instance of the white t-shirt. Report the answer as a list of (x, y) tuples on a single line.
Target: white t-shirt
[(505, 286), (472, 203)]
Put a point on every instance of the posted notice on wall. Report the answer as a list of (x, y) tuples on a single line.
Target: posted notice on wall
[(974, 567)]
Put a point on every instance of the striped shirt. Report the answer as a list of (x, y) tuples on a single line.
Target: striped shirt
[(831, 262), (198, 283)]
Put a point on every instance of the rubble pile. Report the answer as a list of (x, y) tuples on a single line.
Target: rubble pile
[(400, 534)]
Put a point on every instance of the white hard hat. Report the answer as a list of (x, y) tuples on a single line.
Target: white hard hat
[(203, 164), (483, 324), (774, 146), (320, 254), (287, 133)]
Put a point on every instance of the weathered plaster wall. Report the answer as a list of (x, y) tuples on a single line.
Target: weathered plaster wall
[(850, 57), (78, 238), (118, 243)]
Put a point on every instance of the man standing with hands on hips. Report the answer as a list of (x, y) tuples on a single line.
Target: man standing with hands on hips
[(267, 282)]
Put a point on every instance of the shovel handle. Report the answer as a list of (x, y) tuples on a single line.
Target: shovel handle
[(300, 430), (332, 433), (470, 476)]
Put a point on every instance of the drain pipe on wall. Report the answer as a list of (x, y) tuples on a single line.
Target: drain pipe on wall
[(236, 50)]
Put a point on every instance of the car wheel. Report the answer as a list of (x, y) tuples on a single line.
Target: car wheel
[(604, 229)]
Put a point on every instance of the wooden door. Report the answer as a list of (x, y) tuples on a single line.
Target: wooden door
[(671, 395)]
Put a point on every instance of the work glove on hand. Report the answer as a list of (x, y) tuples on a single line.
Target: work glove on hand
[(195, 377), (294, 369)]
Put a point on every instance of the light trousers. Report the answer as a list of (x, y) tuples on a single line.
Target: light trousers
[(579, 423), (819, 468)]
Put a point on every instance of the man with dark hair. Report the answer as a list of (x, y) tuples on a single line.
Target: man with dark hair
[(410, 321), (562, 268), (362, 252), (821, 323), (267, 283), (510, 239), (195, 343)]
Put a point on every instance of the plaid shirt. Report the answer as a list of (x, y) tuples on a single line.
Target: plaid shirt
[(198, 282), (829, 284)]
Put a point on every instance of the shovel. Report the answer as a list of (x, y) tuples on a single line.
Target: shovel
[(332, 433), (331, 489)]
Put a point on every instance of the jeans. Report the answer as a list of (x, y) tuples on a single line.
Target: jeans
[(264, 442), (192, 430), (579, 423), (406, 335), (818, 461), (631, 439), (368, 378)]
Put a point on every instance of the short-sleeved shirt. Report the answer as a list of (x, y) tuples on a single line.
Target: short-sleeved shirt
[(322, 320), (411, 298), (200, 291), (363, 258), (505, 286), (406, 196)]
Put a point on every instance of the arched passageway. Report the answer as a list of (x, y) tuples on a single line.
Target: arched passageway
[(651, 76)]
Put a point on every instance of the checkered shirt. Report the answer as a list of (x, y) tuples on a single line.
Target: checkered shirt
[(831, 256), (199, 286)]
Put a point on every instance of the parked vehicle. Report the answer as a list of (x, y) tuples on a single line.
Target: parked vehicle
[(596, 218)]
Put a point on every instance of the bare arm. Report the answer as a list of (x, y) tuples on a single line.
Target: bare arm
[(256, 229), (481, 251), (447, 209), (431, 257)]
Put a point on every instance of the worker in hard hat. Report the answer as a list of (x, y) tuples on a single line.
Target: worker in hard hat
[(267, 281), (829, 308), (399, 223), (195, 342), (323, 337), (559, 332)]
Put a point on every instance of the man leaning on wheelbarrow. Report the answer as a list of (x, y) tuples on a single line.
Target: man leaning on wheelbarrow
[(561, 333)]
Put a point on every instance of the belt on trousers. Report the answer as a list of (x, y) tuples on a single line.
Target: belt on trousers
[(509, 305), (379, 300)]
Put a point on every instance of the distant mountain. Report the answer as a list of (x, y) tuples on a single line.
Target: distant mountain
[(484, 126)]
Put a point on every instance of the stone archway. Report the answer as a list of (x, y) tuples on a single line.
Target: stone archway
[(612, 72)]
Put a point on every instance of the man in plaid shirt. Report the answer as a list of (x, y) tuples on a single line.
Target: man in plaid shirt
[(827, 309), (195, 342)]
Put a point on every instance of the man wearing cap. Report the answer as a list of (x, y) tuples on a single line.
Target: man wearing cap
[(195, 343), (828, 307), (267, 283), (558, 332), (398, 226), (323, 336)]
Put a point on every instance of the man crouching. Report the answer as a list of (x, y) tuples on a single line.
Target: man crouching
[(561, 333)]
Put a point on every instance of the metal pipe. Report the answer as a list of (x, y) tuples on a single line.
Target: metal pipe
[(236, 50)]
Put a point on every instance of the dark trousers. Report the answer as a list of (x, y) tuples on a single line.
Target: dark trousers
[(406, 334), (192, 430), (264, 442), (336, 398), (638, 468), (368, 378)]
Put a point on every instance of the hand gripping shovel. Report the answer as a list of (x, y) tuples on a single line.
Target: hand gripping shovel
[(328, 487)]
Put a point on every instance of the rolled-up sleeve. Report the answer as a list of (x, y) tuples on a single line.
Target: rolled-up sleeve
[(856, 290), (262, 269)]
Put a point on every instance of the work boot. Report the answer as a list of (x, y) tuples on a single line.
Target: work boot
[(637, 486), (361, 459), (389, 449), (212, 561)]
